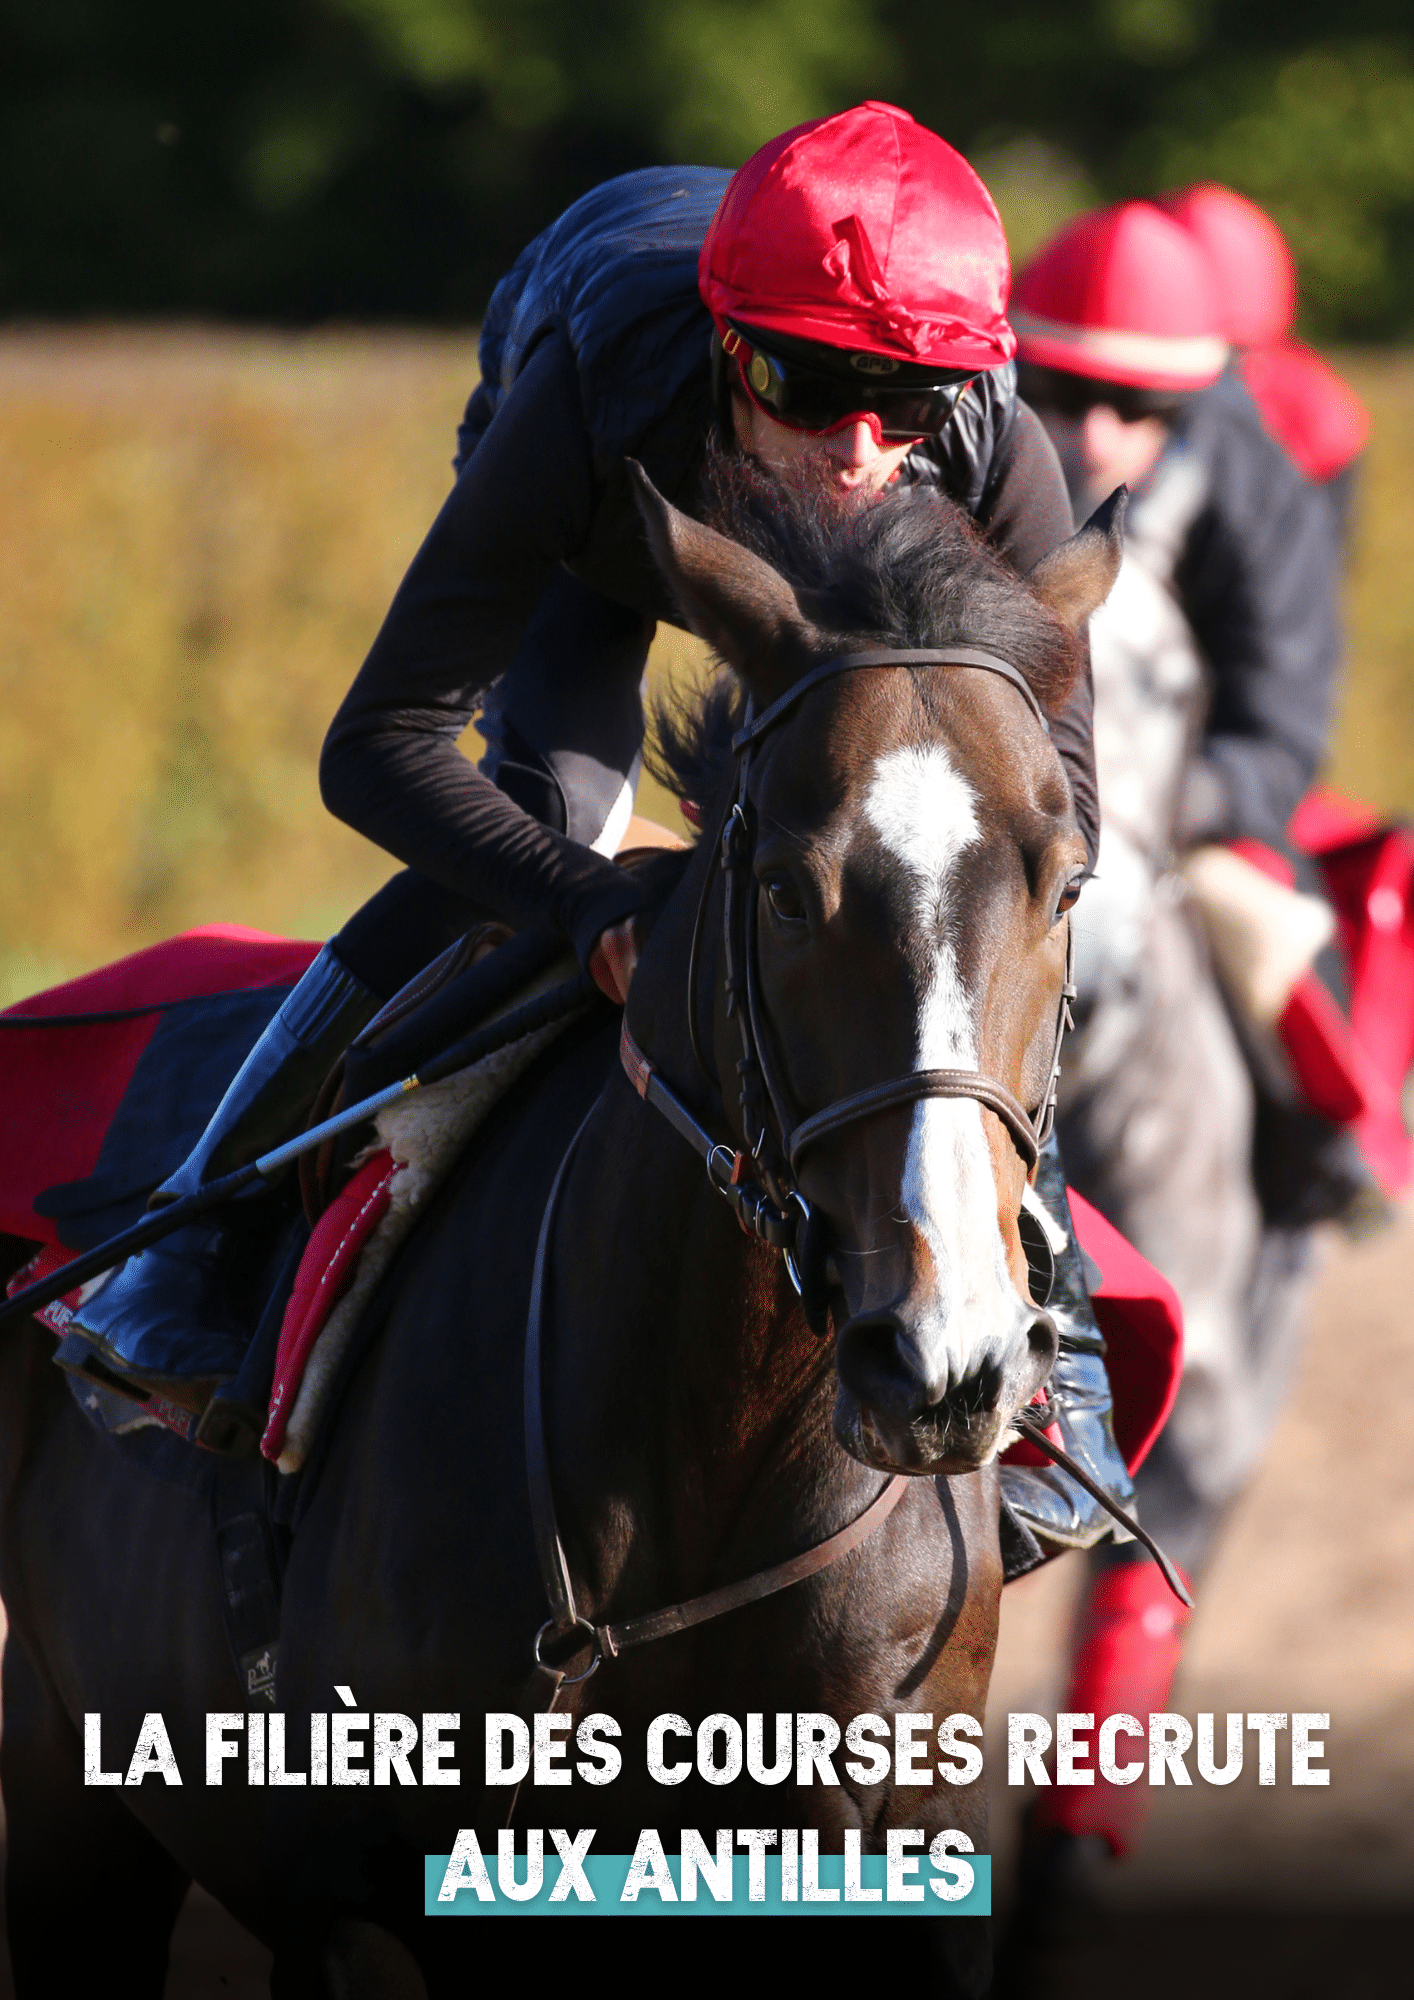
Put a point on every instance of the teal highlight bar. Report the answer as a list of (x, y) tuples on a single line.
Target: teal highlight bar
[(607, 1874)]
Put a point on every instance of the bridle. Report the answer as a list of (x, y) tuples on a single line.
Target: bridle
[(759, 1178)]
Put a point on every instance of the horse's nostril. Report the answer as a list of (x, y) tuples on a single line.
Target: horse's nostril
[(878, 1366), (1043, 1339)]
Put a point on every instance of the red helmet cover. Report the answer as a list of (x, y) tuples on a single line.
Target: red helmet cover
[(1249, 255), (1123, 294), (868, 232)]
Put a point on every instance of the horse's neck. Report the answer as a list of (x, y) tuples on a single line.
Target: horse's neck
[(682, 1391), (1150, 696), (1150, 676)]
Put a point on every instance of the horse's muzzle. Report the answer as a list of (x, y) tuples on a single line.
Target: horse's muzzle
[(889, 1415)]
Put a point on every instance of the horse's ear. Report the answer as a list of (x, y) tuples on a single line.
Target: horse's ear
[(1076, 578), (743, 608)]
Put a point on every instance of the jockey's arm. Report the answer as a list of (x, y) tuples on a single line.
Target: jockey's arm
[(1258, 580), (523, 504)]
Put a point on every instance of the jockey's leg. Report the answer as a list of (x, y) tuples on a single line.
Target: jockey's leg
[(1043, 1509), (166, 1320)]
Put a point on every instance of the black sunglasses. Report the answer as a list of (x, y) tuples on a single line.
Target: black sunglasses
[(806, 397), (1055, 390)]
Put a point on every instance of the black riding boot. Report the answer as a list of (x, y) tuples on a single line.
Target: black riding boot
[(1043, 1509), (165, 1321)]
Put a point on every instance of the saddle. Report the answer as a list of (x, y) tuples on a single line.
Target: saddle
[(197, 1003)]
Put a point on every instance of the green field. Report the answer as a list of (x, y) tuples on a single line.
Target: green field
[(201, 532)]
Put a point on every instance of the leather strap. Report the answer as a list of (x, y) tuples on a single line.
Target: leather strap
[(1032, 1430), (888, 656), (651, 1088), (907, 1090), (609, 1640), (616, 1639), (554, 1570)]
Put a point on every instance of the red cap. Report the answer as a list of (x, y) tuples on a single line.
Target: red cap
[(1319, 419), (867, 232), (1256, 277), (1123, 295)]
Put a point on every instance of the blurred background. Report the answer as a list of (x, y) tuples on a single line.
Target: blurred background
[(243, 251), (242, 256)]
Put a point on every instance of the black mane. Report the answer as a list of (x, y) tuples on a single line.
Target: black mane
[(909, 569)]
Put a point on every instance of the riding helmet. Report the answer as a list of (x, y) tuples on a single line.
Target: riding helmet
[(868, 233), (1248, 253), (1123, 295)]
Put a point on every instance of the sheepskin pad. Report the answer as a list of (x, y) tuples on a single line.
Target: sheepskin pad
[(421, 1135)]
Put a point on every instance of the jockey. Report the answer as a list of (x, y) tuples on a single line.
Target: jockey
[(1126, 332), (842, 298), (1123, 353), (1125, 323)]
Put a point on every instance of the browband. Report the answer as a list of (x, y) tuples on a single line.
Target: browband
[(886, 656)]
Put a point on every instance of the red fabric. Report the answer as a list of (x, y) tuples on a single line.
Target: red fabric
[(1142, 1321), (61, 1086), (1368, 870), (217, 958), (1316, 417), (326, 1271), (864, 231), (1352, 1068), (1326, 819), (1134, 280), (1334, 1077), (1265, 859), (1131, 1639), (1249, 255), (50, 1257)]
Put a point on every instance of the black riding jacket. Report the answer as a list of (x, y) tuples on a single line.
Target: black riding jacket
[(596, 347), (1257, 578)]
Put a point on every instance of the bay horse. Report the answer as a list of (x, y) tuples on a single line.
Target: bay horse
[(915, 855)]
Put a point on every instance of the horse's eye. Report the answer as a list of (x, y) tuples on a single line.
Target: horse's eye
[(784, 899), (1069, 896)]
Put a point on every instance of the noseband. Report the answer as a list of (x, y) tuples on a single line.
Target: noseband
[(759, 1180)]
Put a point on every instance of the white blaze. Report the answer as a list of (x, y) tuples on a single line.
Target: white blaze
[(924, 812)]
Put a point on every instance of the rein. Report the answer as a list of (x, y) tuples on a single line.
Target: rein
[(566, 1630)]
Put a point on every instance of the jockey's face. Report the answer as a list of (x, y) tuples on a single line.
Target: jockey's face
[(856, 461), (1100, 450)]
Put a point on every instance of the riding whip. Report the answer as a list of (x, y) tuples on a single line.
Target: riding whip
[(558, 1002)]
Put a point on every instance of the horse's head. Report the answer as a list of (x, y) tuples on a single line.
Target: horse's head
[(915, 852)]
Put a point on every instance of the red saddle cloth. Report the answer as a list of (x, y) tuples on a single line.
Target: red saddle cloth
[(68, 1057)]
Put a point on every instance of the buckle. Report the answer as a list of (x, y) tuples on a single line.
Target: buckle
[(562, 1635)]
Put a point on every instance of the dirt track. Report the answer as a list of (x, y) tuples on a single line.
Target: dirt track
[(1309, 1606)]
